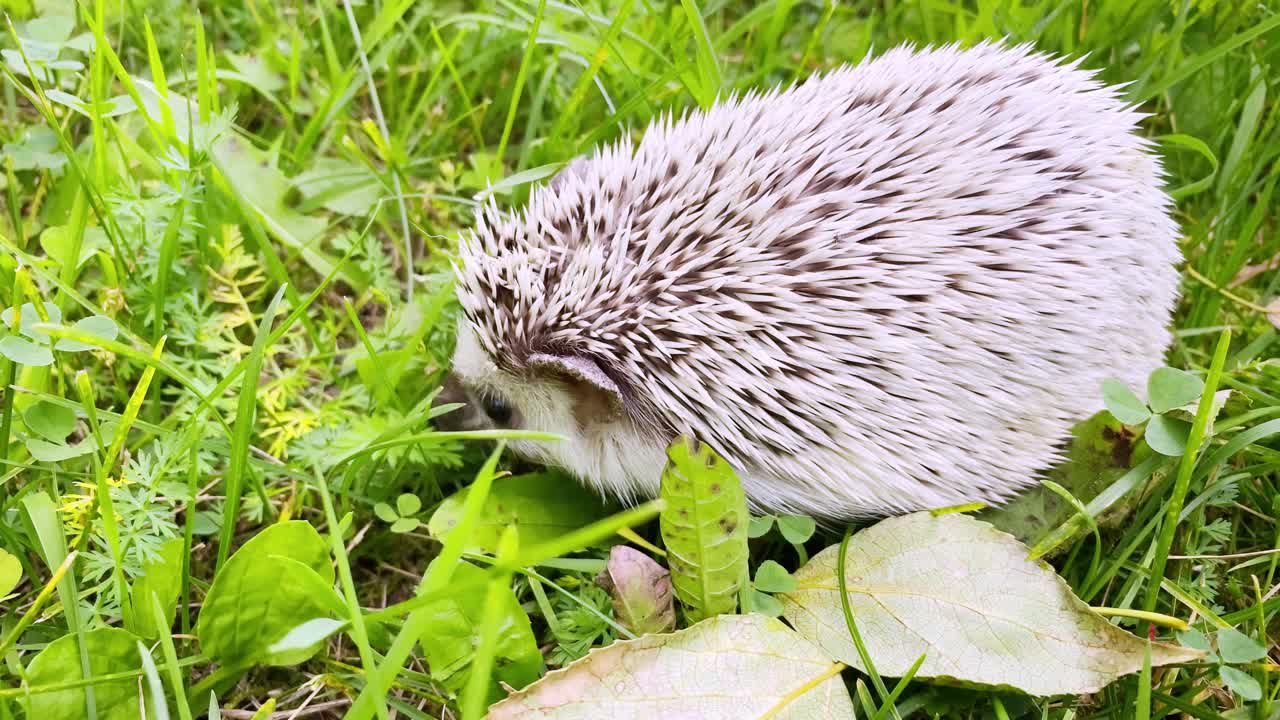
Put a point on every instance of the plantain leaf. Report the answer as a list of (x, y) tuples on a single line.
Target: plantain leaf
[(965, 596), (450, 640), (278, 581), (728, 667), (704, 527), (544, 505), (108, 651)]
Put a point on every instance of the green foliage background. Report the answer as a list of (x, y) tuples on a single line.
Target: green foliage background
[(235, 186)]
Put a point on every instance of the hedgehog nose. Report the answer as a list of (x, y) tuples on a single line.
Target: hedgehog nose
[(451, 392)]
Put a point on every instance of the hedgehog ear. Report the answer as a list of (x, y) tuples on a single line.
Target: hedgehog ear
[(597, 397)]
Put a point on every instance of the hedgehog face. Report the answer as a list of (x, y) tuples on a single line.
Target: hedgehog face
[(561, 395)]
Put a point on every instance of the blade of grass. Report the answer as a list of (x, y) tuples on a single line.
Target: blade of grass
[(355, 616), (46, 528), (521, 74), (867, 664), (437, 577), (155, 706), (172, 668), (1182, 483), (388, 12), (37, 605), (477, 687), (245, 416)]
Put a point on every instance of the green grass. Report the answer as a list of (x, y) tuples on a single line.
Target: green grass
[(246, 191)]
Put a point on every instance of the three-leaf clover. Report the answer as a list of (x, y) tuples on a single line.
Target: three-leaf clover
[(770, 578), (402, 515), (50, 425), (1172, 399), (30, 346), (796, 529), (1233, 648)]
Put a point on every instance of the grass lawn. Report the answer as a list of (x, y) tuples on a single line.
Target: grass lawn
[(224, 250)]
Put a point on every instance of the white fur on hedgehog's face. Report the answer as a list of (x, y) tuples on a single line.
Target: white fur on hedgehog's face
[(601, 445)]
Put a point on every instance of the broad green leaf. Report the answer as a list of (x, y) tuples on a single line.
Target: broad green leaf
[(10, 573), (641, 591), (254, 72), (1241, 683), (1168, 436), (773, 578), (735, 667), (259, 185), (52, 422), (1123, 404), (543, 505), (796, 529), (450, 639), (96, 325), (1235, 647), (109, 650), (305, 638), (25, 352), (339, 186), (162, 578), (37, 149), (963, 594), (704, 527), (273, 584), (1169, 388)]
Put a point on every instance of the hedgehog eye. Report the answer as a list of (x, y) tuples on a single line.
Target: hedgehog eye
[(498, 409)]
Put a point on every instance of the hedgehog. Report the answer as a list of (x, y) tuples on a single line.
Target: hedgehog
[(891, 287)]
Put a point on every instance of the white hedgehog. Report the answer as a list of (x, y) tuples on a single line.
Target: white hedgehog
[(889, 288)]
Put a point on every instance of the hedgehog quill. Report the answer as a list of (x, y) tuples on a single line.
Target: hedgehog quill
[(892, 287)]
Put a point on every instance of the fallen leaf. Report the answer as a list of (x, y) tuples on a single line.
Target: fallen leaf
[(965, 595), (728, 667)]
